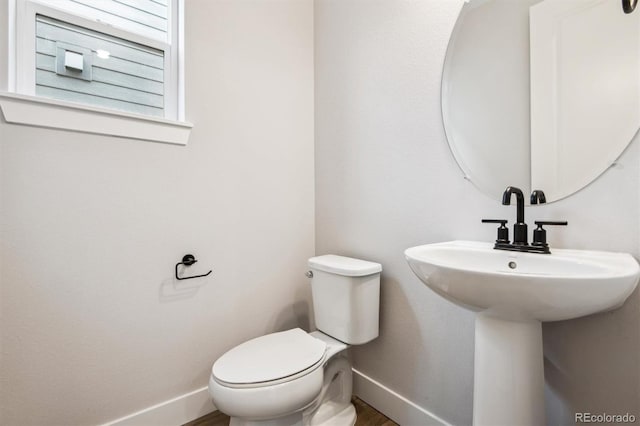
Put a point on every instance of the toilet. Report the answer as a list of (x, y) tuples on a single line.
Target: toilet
[(298, 378)]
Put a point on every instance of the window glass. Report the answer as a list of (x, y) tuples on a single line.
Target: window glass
[(82, 65), (148, 18)]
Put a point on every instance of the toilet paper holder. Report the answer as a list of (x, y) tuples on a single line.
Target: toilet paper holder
[(188, 260)]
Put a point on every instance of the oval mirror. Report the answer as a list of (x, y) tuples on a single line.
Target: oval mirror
[(541, 94)]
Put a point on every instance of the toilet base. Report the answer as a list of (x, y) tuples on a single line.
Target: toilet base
[(334, 414), (294, 419), (329, 414)]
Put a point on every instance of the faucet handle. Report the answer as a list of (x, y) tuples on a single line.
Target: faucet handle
[(542, 223), (540, 234), (503, 231)]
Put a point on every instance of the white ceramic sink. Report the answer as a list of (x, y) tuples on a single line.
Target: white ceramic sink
[(512, 285), (511, 293)]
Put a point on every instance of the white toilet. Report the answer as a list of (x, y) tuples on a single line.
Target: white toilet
[(299, 378)]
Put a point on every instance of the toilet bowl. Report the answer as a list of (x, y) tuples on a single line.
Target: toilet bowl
[(298, 378)]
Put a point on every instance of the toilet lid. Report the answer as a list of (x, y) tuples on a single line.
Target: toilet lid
[(268, 358)]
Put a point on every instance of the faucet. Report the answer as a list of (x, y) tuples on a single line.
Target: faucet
[(539, 244), (519, 228)]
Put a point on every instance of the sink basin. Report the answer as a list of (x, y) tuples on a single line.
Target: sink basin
[(512, 285), (511, 293)]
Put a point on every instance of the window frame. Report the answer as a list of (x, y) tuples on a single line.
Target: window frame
[(20, 76)]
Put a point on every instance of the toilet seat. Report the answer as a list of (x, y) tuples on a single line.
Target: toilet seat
[(269, 376), (269, 360)]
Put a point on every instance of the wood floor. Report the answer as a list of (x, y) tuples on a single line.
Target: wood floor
[(367, 416)]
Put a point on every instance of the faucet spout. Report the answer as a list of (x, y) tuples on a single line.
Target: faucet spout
[(519, 228), (506, 201)]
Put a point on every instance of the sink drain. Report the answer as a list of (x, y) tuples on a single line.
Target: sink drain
[(513, 265)]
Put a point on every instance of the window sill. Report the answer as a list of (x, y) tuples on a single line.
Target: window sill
[(54, 114)]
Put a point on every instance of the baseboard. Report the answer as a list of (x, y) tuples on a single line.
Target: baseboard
[(174, 412), (391, 404), (193, 405)]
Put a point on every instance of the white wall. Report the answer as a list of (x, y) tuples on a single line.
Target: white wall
[(386, 181), (4, 46), (93, 325)]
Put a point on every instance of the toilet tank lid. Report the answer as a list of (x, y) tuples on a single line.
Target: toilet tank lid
[(346, 266)]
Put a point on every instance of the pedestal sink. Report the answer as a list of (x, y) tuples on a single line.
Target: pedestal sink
[(511, 293)]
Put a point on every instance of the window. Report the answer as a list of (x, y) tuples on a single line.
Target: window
[(76, 64), (122, 56)]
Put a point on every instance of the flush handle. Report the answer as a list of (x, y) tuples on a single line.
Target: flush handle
[(309, 274)]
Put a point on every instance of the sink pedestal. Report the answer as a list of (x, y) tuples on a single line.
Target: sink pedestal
[(509, 373)]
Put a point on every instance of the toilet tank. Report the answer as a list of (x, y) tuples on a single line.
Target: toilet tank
[(346, 297)]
